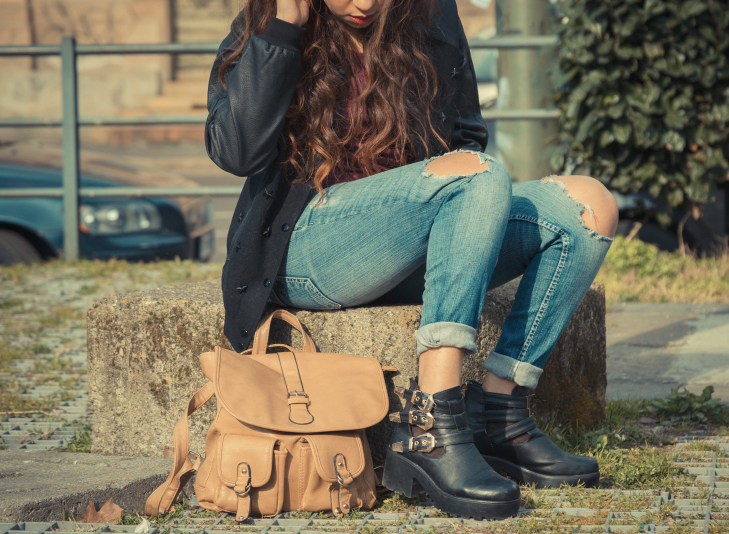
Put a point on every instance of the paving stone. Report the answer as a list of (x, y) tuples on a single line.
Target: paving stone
[(689, 510), (50, 486)]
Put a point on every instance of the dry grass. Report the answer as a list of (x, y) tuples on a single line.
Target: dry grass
[(637, 272)]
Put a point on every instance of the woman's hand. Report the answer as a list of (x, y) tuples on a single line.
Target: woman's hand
[(293, 11)]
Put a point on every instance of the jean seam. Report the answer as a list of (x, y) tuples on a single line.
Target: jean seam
[(555, 279), (304, 281)]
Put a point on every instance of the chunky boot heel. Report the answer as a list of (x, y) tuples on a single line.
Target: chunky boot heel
[(400, 477), (432, 450), (535, 459)]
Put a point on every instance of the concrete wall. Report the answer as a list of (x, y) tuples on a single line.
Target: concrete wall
[(108, 85)]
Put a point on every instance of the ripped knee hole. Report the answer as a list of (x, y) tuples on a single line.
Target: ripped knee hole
[(457, 163)]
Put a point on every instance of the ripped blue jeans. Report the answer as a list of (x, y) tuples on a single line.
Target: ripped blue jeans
[(407, 235)]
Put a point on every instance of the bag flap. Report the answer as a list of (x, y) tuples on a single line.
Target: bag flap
[(325, 447), (253, 450), (301, 392)]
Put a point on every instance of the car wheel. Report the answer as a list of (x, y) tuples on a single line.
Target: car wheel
[(14, 248)]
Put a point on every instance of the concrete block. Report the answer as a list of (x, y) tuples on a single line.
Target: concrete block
[(43, 486), (143, 359)]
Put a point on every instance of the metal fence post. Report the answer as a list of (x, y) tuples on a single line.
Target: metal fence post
[(70, 149), (523, 85)]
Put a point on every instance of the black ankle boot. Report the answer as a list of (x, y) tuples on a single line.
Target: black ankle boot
[(432, 450), (534, 458)]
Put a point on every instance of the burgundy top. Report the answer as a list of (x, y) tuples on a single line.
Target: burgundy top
[(348, 169)]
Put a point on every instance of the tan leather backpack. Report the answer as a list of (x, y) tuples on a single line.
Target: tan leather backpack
[(289, 431)]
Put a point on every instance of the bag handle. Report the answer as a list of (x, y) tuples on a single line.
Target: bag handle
[(164, 496), (260, 340)]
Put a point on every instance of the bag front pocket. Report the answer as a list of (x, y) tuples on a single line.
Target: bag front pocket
[(267, 467), (335, 460)]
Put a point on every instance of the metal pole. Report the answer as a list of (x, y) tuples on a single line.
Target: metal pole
[(523, 85), (70, 149)]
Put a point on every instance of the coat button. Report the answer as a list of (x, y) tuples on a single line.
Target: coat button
[(442, 117), (267, 232), (454, 73), (242, 289), (240, 217), (244, 333), (269, 194), (267, 282), (285, 227), (237, 246)]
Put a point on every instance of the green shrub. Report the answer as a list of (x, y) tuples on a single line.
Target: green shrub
[(686, 407), (644, 90)]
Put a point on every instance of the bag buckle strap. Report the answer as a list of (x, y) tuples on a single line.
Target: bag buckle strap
[(414, 417), (341, 503), (298, 397), (423, 443), (422, 401), (242, 489)]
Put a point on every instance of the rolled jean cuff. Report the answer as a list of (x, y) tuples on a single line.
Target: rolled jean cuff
[(443, 334), (524, 374)]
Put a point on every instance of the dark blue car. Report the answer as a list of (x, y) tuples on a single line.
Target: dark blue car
[(31, 229)]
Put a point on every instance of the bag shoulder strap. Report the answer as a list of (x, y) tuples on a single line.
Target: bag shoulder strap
[(164, 496)]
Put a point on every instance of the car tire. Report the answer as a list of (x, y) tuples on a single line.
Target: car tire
[(14, 248)]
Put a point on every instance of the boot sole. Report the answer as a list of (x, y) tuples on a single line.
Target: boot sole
[(403, 476), (524, 475)]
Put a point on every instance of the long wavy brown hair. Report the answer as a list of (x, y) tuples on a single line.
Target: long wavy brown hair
[(401, 84)]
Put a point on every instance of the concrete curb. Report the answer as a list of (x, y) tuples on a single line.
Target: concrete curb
[(42, 486)]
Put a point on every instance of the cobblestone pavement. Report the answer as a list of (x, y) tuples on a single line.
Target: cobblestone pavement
[(43, 341), (702, 509)]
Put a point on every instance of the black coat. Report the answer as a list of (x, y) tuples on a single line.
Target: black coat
[(242, 136)]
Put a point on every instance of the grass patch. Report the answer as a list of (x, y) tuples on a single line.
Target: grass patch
[(12, 401), (9, 354), (6, 304), (631, 458), (395, 502), (635, 271), (60, 315), (81, 441)]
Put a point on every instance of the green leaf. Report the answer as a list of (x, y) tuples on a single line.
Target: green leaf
[(674, 141), (653, 50), (585, 127), (622, 131), (676, 119), (616, 111), (691, 8), (606, 138)]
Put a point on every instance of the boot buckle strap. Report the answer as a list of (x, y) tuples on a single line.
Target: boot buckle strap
[(423, 443), (422, 401), (414, 417)]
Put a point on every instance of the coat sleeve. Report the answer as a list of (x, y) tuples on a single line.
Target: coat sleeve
[(469, 129), (245, 120)]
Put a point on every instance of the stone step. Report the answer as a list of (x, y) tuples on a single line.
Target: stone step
[(143, 353), (167, 103)]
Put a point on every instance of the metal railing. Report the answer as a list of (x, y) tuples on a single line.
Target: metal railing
[(71, 192)]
